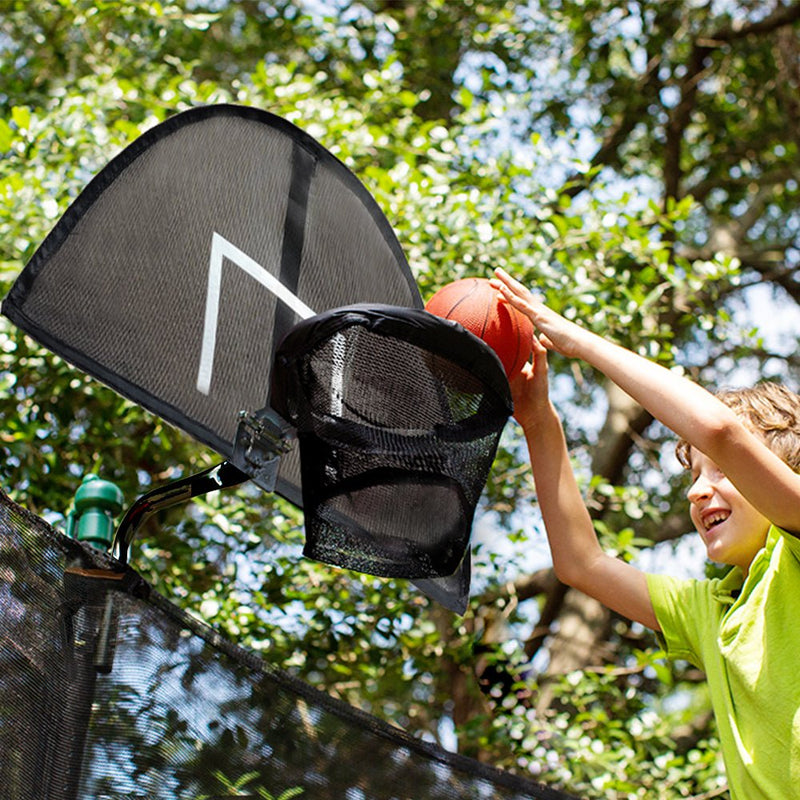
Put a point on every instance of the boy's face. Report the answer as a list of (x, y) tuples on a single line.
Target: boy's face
[(731, 529)]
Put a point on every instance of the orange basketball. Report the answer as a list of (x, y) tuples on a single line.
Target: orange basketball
[(474, 303)]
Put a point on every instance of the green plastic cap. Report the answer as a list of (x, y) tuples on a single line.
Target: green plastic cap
[(97, 502)]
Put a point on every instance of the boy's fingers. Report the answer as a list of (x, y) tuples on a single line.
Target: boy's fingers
[(539, 355), (523, 375), (506, 280), (512, 289), (518, 297)]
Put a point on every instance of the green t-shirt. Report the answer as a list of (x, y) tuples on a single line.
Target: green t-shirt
[(746, 638)]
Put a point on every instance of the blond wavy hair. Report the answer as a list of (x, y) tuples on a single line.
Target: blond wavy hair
[(768, 409)]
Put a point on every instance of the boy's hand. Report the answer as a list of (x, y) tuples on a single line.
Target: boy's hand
[(557, 333), (529, 389)]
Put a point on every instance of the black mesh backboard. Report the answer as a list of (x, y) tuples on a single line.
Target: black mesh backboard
[(182, 265), (163, 278)]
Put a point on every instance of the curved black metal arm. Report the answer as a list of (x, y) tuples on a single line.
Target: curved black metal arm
[(262, 438), (220, 476)]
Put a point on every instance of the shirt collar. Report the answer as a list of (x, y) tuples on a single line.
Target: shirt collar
[(728, 588)]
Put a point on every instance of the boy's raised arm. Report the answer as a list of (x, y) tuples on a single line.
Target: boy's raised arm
[(768, 483), (578, 558)]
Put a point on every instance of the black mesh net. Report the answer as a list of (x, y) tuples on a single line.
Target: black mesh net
[(107, 691), (399, 414)]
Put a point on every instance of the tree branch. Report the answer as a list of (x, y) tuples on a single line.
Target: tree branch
[(781, 16)]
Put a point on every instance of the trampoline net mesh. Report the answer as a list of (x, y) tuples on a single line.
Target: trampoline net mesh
[(169, 710)]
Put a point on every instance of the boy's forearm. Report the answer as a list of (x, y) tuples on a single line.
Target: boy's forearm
[(684, 407), (766, 482), (578, 559), (569, 528)]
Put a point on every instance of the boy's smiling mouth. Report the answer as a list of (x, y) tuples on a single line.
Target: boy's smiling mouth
[(714, 517)]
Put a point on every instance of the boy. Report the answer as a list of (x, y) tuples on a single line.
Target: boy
[(744, 502)]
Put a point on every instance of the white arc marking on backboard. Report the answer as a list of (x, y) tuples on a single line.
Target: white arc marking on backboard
[(221, 249), (337, 374)]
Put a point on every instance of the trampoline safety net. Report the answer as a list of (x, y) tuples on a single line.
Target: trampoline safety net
[(108, 691)]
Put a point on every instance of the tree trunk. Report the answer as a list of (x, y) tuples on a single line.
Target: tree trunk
[(583, 627)]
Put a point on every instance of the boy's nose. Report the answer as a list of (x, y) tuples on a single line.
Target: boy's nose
[(701, 489)]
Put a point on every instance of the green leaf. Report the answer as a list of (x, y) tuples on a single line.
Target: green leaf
[(6, 136), (21, 117)]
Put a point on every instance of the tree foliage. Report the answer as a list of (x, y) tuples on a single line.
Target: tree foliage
[(637, 162)]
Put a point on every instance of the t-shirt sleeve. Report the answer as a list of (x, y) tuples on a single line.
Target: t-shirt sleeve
[(681, 609), (792, 543)]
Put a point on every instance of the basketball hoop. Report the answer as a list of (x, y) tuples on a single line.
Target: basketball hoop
[(398, 415), (181, 266)]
